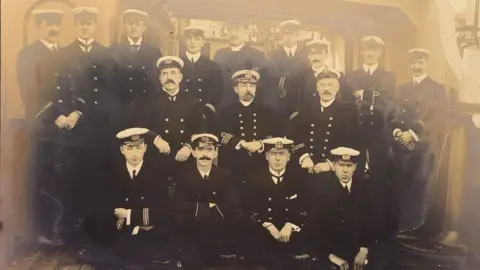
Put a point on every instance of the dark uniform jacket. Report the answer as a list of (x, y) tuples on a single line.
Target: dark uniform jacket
[(238, 122), (305, 88), (146, 195), (279, 203), (135, 72), (378, 95), (421, 108), (86, 74), (316, 132), (38, 75), (282, 69), (193, 195), (232, 61), (175, 120), (341, 222), (203, 79)]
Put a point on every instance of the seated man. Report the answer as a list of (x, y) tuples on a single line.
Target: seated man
[(205, 207), (341, 223), (277, 209), (134, 224)]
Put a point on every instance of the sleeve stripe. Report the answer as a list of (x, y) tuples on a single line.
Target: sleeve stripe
[(196, 211), (226, 138), (120, 223), (211, 107), (297, 147), (220, 211)]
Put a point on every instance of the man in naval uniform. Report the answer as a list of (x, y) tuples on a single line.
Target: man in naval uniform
[(202, 76), (242, 127), (238, 56), (173, 117), (206, 207), (286, 63), (341, 223), (418, 132), (325, 126), (85, 73), (135, 220), (49, 112), (304, 84), (277, 210), (134, 71), (374, 90)]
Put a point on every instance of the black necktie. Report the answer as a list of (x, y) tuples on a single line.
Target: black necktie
[(135, 48), (193, 60), (368, 72), (205, 177), (134, 174), (290, 55), (279, 178), (346, 190)]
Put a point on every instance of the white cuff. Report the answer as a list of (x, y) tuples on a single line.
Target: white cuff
[(267, 224), (395, 132), (156, 138), (304, 156), (295, 227), (239, 145), (414, 135), (335, 259), (129, 215), (79, 112), (261, 148), (331, 165), (146, 216)]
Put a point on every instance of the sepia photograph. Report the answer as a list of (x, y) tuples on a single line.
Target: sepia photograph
[(240, 135)]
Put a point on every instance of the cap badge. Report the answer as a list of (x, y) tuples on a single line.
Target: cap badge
[(205, 139), (135, 137), (168, 61), (248, 75), (279, 145), (346, 157)]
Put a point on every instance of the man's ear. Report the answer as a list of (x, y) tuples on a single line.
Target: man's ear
[(194, 154), (121, 150), (235, 88)]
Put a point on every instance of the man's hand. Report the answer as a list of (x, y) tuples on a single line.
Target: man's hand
[(274, 232), (406, 138), (253, 147), (120, 212), (162, 146), (211, 205), (322, 167), (61, 121), (358, 94), (339, 262), (360, 261), (307, 163), (285, 233), (72, 119), (183, 154)]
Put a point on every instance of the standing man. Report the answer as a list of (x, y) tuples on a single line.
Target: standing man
[(318, 52), (238, 56), (85, 73), (341, 228), (418, 131), (277, 209), (374, 88), (202, 76), (286, 63), (243, 125), (49, 112), (135, 220), (174, 116), (134, 71), (323, 126), (206, 207)]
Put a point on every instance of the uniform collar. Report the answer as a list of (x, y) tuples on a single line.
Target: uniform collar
[(190, 56), (49, 45), (326, 104), (348, 185), (174, 93), (420, 78), (276, 176), (131, 42), (86, 42), (131, 168), (292, 49), (316, 71), (246, 103), (238, 48), (203, 174), (372, 68)]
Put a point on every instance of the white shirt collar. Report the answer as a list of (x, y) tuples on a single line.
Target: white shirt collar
[(203, 174), (238, 48), (131, 168), (87, 42), (319, 69), (194, 56), (277, 174), (49, 45), (131, 42), (292, 49), (349, 185), (327, 103), (420, 78), (173, 94), (246, 103), (372, 68)]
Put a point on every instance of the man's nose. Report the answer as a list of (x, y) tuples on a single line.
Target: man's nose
[(55, 27)]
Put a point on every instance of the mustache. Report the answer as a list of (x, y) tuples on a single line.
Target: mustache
[(170, 81), (53, 33), (205, 158), (326, 92)]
